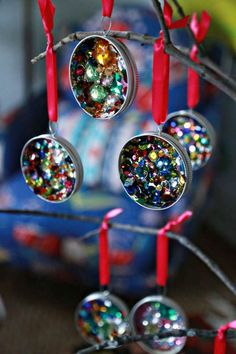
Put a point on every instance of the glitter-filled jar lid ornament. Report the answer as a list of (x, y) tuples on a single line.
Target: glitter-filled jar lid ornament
[(103, 73), (153, 315), (156, 314), (103, 76), (189, 127), (101, 316), (51, 168), (50, 165), (194, 133), (155, 170)]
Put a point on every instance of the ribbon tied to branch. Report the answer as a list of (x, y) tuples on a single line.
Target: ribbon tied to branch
[(161, 67), (162, 251)]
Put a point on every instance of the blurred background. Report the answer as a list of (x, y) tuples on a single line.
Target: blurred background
[(42, 262)]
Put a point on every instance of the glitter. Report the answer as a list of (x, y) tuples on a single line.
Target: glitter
[(51, 173), (96, 321), (192, 148), (152, 181), (153, 315), (106, 76), (194, 133)]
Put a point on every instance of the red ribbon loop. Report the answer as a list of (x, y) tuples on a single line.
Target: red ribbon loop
[(168, 14), (161, 68), (220, 340), (200, 29), (104, 268), (107, 8), (162, 250), (160, 81), (47, 11)]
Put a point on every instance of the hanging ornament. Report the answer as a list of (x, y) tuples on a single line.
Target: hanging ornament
[(50, 165), (194, 133), (154, 168), (155, 314), (103, 74), (102, 316), (190, 128)]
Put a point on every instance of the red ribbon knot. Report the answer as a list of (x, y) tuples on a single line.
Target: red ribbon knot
[(220, 339), (104, 264), (162, 250), (47, 11)]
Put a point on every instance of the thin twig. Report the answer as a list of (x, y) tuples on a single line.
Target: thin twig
[(139, 37), (212, 265), (205, 72), (135, 229), (192, 332), (204, 59), (222, 82), (182, 14)]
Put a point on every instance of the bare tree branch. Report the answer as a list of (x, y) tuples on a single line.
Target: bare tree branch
[(204, 59), (205, 69), (126, 339), (135, 229)]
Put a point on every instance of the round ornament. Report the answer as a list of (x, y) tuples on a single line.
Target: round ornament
[(153, 315), (101, 316), (51, 167), (194, 133), (155, 170), (103, 76)]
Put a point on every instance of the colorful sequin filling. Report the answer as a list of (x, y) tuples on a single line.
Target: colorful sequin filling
[(48, 169), (193, 136), (98, 77), (153, 317), (101, 319), (152, 171)]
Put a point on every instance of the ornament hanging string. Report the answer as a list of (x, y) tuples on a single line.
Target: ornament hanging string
[(162, 244), (220, 339), (107, 8), (47, 10), (199, 29), (104, 264), (161, 68)]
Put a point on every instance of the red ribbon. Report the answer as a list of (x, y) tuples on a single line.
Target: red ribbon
[(161, 68), (162, 250), (104, 267), (199, 29), (47, 10), (220, 340), (107, 7)]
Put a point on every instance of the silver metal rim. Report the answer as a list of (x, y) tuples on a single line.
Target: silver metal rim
[(203, 121), (166, 301), (181, 151), (130, 69), (104, 295), (74, 157)]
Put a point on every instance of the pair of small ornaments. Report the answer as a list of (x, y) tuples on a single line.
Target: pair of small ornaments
[(102, 316), (155, 168)]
